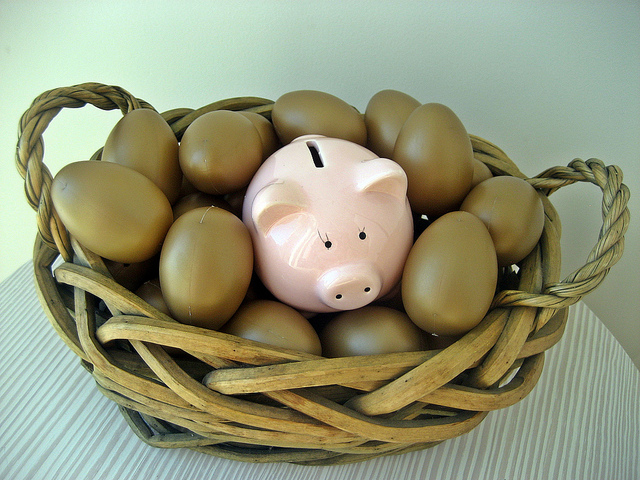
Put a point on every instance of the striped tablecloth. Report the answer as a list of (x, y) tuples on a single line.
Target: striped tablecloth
[(582, 420)]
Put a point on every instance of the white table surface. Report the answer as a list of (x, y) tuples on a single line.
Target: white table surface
[(581, 421)]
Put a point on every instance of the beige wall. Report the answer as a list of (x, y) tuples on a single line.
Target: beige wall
[(546, 81)]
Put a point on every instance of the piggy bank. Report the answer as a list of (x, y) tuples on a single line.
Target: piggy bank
[(330, 223)]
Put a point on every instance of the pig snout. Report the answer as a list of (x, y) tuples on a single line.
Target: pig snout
[(348, 287)]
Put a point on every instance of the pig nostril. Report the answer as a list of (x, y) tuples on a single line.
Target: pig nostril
[(367, 289), (338, 296)]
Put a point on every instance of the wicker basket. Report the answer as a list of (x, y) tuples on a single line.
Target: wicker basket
[(269, 404)]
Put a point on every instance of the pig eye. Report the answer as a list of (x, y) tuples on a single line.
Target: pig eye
[(362, 235), (327, 242)]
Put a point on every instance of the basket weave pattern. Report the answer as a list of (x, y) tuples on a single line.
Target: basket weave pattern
[(267, 404)]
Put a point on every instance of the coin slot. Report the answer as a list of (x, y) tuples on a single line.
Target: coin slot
[(315, 154)]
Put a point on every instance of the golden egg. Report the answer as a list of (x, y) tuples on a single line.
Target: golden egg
[(197, 200), (384, 116), (206, 265), (276, 324), (450, 276), (132, 275), (151, 293), (270, 141), (513, 213), (370, 330), (220, 151), (144, 141), (480, 173), (112, 210), (435, 151), (305, 112)]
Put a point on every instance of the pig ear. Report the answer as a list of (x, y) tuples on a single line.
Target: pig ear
[(382, 175), (276, 202)]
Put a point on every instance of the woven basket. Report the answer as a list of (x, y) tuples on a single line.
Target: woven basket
[(268, 404)]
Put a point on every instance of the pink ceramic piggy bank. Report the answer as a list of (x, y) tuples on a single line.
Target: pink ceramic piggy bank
[(330, 222)]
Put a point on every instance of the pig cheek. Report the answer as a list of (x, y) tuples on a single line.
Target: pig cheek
[(389, 231), (293, 242), (286, 259), (392, 247)]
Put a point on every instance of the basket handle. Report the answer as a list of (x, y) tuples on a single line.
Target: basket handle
[(36, 119), (608, 248), (30, 148)]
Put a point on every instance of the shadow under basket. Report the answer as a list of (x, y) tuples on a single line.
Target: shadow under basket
[(268, 404)]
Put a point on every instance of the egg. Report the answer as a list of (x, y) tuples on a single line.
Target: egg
[(196, 200), (440, 342), (480, 172), (144, 141), (304, 112), (384, 116), (151, 293), (206, 264), (235, 200), (370, 330), (270, 141), (257, 291), (435, 151), (187, 188), (450, 276), (513, 213), (132, 275), (276, 324), (220, 151), (112, 210)]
